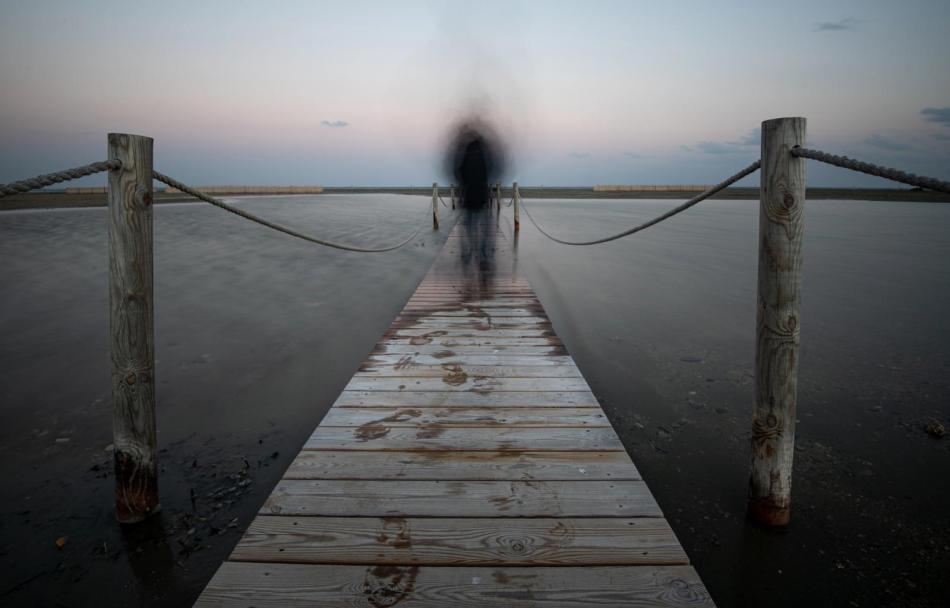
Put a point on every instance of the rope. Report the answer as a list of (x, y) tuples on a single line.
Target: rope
[(441, 201), (920, 181), (41, 181), (693, 201), (249, 216)]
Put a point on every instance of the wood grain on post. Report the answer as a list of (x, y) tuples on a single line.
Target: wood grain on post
[(781, 231), (435, 206), (516, 203), (132, 327)]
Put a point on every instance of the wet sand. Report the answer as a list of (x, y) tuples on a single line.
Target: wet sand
[(258, 333)]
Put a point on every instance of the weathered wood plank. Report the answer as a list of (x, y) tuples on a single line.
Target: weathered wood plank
[(461, 381), (242, 584), (475, 314), (472, 340), (483, 304), (492, 371), (462, 465), (466, 399), (464, 351), (381, 436), (601, 541), (428, 334), (409, 361), (493, 323), (399, 498), (431, 418)]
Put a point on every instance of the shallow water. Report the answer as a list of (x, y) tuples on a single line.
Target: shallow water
[(257, 333)]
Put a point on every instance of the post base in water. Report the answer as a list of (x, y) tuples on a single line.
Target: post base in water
[(766, 513)]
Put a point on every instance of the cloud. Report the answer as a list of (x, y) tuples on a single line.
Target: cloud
[(848, 23), (334, 124), (879, 141), (715, 147), (753, 138), (580, 154), (937, 115)]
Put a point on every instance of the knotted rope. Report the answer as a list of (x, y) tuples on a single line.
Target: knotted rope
[(41, 181), (896, 175)]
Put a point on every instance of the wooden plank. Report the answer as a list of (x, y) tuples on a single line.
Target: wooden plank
[(415, 302), (493, 371), (470, 331), (466, 399), (380, 436), (429, 417), (469, 340), (461, 381), (493, 323), (601, 541), (461, 465), (399, 498), (375, 361), (464, 351), (473, 314), (243, 584)]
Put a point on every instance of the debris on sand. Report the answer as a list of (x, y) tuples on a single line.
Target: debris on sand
[(935, 429)]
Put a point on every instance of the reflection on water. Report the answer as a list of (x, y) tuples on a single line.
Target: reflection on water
[(478, 229), (257, 333), (662, 325)]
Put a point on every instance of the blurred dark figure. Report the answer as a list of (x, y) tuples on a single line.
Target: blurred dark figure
[(475, 158)]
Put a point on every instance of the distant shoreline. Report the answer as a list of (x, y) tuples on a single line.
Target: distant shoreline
[(65, 200)]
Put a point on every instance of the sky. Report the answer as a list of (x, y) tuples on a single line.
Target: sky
[(365, 93)]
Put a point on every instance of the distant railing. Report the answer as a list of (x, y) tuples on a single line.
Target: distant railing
[(781, 227)]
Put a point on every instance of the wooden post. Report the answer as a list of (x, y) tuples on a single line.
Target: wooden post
[(435, 206), (498, 197), (453, 196), (516, 203), (132, 328), (781, 229)]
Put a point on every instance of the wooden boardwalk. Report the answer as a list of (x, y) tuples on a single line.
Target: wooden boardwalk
[(467, 463)]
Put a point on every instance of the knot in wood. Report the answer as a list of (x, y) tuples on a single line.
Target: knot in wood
[(788, 199), (763, 431), (130, 378), (143, 196), (518, 546)]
